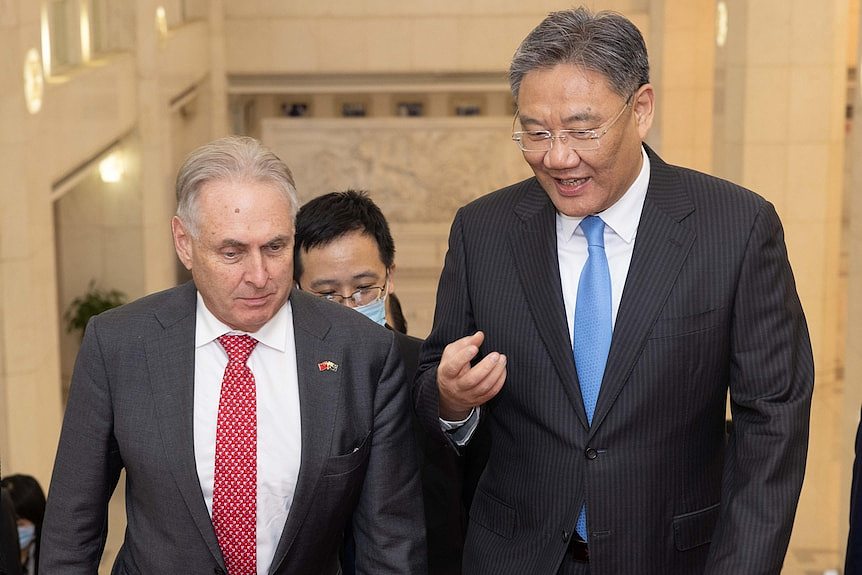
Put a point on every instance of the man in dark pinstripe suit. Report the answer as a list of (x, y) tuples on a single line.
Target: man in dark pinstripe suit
[(853, 558), (703, 302)]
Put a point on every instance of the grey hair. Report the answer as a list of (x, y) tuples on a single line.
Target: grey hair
[(230, 159), (604, 42)]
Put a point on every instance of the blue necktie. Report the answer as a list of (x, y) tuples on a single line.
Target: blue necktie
[(593, 326)]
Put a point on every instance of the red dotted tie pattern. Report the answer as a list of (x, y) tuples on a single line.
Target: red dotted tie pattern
[(235, 483)]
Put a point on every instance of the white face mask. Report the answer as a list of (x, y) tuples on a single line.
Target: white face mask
[(26, 535), (375, 311)]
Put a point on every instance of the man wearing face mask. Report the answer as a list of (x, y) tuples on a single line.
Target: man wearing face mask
[(344, 252)]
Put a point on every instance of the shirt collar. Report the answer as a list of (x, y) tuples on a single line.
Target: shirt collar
[(623, 216), (273, 333)]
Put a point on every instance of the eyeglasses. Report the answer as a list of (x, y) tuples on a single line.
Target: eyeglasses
[(362, 296), (543, 140)]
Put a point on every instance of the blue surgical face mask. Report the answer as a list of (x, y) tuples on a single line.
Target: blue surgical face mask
[(375, 311), (26, 535)]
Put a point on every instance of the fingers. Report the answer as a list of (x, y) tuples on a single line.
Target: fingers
[(458, 355), (463, 386), (484, 380)]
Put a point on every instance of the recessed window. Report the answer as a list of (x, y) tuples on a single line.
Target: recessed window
[(62, 20)]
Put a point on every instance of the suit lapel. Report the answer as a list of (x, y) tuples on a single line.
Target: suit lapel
[(534, 250), (171, 360), (318, 403), (661, 248)]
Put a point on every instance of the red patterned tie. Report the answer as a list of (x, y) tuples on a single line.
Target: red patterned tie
[(235, 483)]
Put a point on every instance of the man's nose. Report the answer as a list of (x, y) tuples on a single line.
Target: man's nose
[(348, 301), (561, 155), (256, 272)]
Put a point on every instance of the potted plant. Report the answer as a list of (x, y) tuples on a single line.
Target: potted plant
[(94, 302)]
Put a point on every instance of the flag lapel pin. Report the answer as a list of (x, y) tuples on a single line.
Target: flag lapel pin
[(327, 366)]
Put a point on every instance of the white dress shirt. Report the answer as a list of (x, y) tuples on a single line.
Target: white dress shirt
[(273, 363), (621, 226)]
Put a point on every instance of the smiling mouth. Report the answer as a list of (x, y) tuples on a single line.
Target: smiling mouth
[(572, 182)]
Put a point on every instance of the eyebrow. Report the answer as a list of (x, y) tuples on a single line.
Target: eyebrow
[(232, 243), (585, 116), (370, 275)]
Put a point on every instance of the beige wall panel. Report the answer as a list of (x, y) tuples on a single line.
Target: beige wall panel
[(429, 39), (768, 45), (14, 207), (183, 58), (85, 112), (766, 105), (808, 178), (536, 9)]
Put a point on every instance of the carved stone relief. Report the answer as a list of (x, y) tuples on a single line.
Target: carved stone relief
[(418, 170)]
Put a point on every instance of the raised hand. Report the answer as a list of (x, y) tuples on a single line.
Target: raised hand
[(463, 386)]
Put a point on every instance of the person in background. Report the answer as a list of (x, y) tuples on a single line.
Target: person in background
[(596, 316), (395, 315), (10, 551), (853, 559), (251, 425), (28, 502), (344, 252)]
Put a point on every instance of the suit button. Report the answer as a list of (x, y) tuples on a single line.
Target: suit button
[(591, 453), (566, 536)]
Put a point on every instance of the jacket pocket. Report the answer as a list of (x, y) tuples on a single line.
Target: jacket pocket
[(493, 514), (694, 529), (340, 464), (687, 325)]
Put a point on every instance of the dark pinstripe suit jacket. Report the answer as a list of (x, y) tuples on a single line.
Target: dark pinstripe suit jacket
[(853, 559), (709, 304)]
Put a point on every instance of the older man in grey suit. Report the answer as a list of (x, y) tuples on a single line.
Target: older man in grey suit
[(596, 316), (253, 420)]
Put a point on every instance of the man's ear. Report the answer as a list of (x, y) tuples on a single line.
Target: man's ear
[(643, 107), (182, 241), (391, 286)]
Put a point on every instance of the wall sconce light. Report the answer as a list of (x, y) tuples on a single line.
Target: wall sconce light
[(85, 31), (112, 168), (162, 21), (45, 29), (721, 24), (34, 82)]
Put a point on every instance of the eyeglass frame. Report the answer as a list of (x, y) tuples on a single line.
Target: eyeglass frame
[(595, 134), (340, 299)]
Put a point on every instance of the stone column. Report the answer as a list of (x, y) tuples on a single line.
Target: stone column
[(681, 43), (853, 245), (218, 74), (29, 354), (780, 99), (156, 165)]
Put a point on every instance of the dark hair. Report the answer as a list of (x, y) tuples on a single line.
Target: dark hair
[(330, 216), (28, 500), (396, 315), (604, 42)]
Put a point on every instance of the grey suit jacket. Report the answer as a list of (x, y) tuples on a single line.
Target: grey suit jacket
[(130, 406), (709, 305)]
